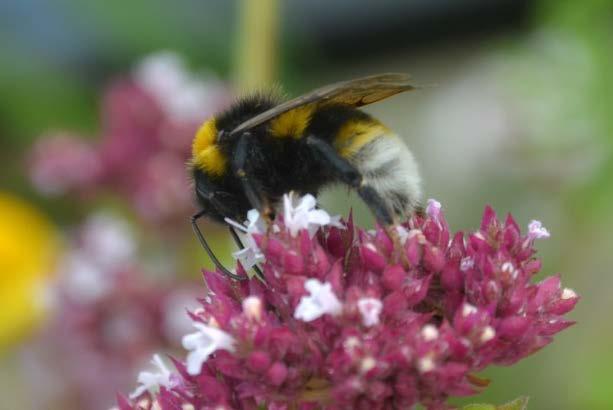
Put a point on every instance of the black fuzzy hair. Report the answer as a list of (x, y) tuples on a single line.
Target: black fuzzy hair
[(247, 107)]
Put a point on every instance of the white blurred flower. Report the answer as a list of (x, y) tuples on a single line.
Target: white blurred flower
[(184, 96), (107, 240), (202, 343), (301, 214), (370, 309), (106, 243), (82, 279), (151, 381), (321, 301)]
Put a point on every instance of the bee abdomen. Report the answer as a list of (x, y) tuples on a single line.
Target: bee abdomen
[(387, 165)]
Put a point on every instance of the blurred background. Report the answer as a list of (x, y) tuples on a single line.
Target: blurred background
[(99, 102)]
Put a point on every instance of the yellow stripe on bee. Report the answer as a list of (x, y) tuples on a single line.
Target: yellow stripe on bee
[(292, 124), (206, 155), (353, 135)]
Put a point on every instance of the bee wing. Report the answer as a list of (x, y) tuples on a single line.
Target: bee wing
[(357, 93)]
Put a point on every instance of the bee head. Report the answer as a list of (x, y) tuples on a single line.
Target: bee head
[(218, 198)]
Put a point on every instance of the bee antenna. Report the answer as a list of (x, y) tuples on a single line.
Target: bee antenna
[(208, 250)]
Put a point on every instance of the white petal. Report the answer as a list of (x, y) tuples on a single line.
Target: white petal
[(252, 307), (426, 364), (153, 380), (568, 293), (319, 217), (248, 257), (434, 208), (336, 222), (195, 359), (488, 334), (307, 202), (254, 223), (235, 224), (192, 341), (305, 215), (536, 230), (429, 333), (466, 263), (321, 301), (203, 343), (370, 309), (468, 309)]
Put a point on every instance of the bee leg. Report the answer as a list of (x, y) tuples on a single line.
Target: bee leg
[(240, 167), (208, 249), (352, 177)]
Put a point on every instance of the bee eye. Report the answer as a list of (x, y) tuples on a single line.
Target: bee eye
[(220, 134)]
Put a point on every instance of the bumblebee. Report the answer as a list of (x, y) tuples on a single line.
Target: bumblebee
[(260, 148)]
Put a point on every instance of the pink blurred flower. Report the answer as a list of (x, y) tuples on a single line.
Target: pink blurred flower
[(109, 316), (342, 321), (61, 163), (148, 120)]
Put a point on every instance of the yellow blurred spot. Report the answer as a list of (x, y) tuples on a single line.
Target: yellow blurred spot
[(28, 249)]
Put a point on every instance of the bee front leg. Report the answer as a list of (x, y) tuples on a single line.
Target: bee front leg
[(350, 175), (241, 170)]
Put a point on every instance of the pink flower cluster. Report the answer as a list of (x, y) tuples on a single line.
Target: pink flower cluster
[(346, 320), (148, 120), (108, 316)]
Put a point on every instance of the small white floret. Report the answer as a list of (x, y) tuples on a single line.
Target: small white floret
[(300, 213), (536, 230), (320, 301), (568, 293), (433, 210), (425, 364), (151, 381), (250, 255), (487, 334), (467, 263), (252, 307), (429, 333), (370, 309), (202, 343), (368, 363), (468, 309)]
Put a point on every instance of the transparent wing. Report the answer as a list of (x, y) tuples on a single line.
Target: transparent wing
[(357, 93)]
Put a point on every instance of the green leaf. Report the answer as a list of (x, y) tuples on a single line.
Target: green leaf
[(517, 404)]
